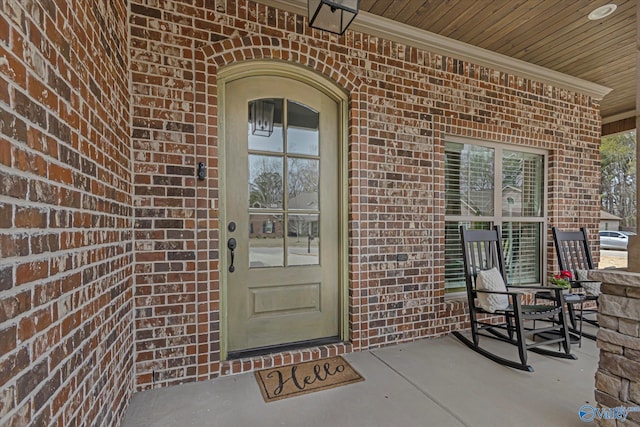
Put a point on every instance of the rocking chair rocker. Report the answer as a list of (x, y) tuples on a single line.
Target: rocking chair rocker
[(482, 251)]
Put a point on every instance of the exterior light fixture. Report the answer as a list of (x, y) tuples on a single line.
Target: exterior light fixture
[(332, 16), (602, 11), (262, 112)]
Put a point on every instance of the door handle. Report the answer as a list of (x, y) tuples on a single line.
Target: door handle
[(231, 244)]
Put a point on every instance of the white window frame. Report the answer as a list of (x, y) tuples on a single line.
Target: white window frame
[(497, 218)]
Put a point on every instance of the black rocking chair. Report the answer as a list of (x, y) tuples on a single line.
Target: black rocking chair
[(572, 249), (482, 250)]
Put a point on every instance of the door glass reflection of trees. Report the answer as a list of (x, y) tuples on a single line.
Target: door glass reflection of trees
[(273, 212), (265, 182), (302, 185)]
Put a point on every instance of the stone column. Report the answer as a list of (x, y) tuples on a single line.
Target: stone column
[(633, 253), (618, 375)]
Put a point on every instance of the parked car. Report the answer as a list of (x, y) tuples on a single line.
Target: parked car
[(614, 240)]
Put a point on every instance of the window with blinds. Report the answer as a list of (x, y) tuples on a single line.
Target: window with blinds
[(489, 185)]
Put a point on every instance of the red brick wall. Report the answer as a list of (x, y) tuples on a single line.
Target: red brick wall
[(67, 203), (94, 200), (164, 152), (403, 103), (66, 303)]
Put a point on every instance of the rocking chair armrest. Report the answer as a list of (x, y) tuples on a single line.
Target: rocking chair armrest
[(498, 292), (535, 287)]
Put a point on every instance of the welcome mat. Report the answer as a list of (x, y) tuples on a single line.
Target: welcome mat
[(307, 377)]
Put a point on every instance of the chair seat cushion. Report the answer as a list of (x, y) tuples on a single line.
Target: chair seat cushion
[(491, 280), (591, 289)]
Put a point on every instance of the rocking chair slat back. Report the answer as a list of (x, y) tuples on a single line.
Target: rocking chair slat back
[(484, 251), (572, 249)]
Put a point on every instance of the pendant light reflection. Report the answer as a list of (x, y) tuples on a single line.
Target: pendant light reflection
[(262, 112)]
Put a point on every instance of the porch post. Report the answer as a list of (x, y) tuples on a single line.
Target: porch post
[(633, 253)]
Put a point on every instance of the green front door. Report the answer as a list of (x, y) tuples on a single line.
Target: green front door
[(282, 193)]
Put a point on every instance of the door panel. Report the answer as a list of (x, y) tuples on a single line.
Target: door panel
[(282, 189)]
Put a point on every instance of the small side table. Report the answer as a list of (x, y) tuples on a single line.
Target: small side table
[(571, 300)]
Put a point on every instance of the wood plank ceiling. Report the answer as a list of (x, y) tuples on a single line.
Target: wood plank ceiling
[(551, 33)]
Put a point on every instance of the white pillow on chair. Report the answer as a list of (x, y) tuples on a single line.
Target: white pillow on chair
[(590, 288), (491, 280)]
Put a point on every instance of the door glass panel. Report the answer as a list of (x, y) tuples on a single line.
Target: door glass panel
[(303, 240), (266, 240), (302, 129), (265, 125), (302, 183), (265, 182), (267, 174)]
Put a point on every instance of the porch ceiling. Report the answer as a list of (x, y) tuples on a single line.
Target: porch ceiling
[(554, 34)]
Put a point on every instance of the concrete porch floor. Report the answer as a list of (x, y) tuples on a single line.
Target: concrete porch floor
[(432, 382)]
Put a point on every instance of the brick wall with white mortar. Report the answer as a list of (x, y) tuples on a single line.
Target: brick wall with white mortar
[(109, 245), (66, 219), (403, 102)]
